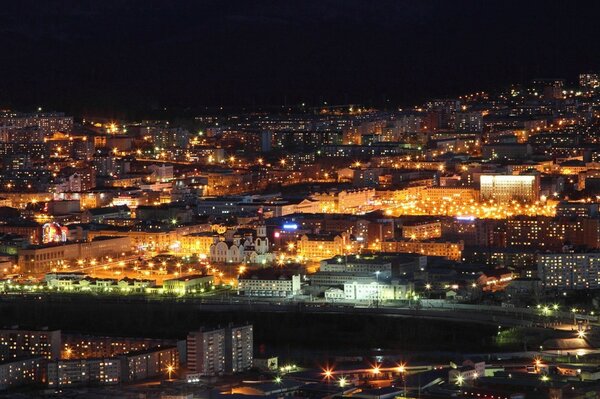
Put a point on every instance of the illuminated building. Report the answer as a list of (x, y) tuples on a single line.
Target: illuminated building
[(376, 290), (206, 352), (335, 279), (344, 201), (151, 236), (43, 258), (18, 372), (458, 194), (269, 283), (422, 230), (506, 188), (316, 247), (220, 351), (188, 284), (447, 249), (48, 123), (552, 233), (572, 209), (75, 180), (495, 280), (514, 257), (80, 283), (66, 372), (239, 348), (149, 363), (92, 346), (570, 271), (15, 343), (197, 243), (253, 247), (468, 122)]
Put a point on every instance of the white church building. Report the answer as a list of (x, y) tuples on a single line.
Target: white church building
[(246, 246)]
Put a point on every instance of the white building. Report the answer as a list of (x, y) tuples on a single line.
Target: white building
[(375, 291), (242, 248), (269, 283), (505, 188), (570, 271), (188, 284)]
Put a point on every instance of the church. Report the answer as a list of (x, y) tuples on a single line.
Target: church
[(246, 246)]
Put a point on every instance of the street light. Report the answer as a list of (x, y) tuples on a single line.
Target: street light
[(170, 370)]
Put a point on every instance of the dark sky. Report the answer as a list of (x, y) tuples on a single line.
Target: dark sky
[(119, 57)]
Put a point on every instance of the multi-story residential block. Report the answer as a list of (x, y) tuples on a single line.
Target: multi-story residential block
[(569, 271), (23, 371), (15, 343), (103, 371), (220, 351)]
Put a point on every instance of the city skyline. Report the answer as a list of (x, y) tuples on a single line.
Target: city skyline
[(317, 200)]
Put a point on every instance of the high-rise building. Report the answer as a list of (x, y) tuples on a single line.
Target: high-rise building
[(206, 352), (239, 352), (220, 351), (505, 188)]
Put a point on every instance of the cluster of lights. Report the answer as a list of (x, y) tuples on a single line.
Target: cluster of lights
[(482, 210)]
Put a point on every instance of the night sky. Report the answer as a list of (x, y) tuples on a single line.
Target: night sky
[(126, 58)]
